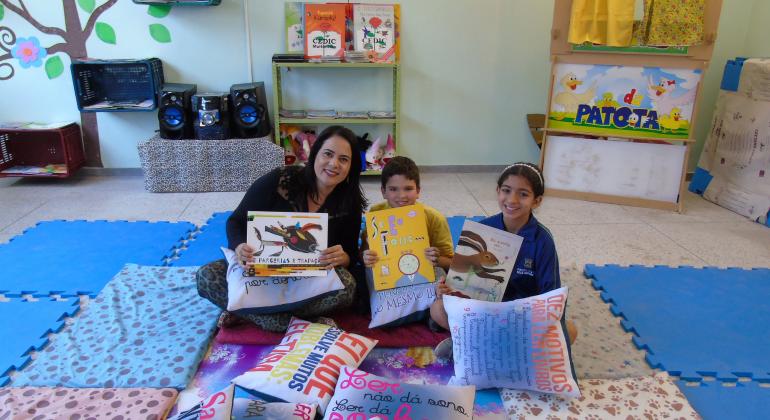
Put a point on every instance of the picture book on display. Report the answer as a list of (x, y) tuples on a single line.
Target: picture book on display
[(400, 237), (374, 29), (287, 244), (483, 262), (324, 30), (295, 27)]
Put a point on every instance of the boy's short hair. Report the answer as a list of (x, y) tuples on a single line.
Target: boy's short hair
[(400, 165)]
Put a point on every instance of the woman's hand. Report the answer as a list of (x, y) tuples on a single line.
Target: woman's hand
[(432, 255), (370, 258), (334, 256), (245, 254)]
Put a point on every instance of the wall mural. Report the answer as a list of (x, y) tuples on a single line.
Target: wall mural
[(25, 52)]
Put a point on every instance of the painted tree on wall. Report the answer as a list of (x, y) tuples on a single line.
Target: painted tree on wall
[(28, 52)]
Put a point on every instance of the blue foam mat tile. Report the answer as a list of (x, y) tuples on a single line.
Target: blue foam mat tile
[(712, 400), (456, 225), (25, 327), (79, 257), (4, 381), (204, 246), (693, 321), (148, 328)]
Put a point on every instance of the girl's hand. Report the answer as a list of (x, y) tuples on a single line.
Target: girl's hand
[(244, 253), (370, 258), (432, 255), (334, 256), (442, 288)]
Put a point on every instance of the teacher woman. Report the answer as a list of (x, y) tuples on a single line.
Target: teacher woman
[(328, 183)]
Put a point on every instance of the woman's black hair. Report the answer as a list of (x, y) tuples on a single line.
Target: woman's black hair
[(349, 190), (529, 171)]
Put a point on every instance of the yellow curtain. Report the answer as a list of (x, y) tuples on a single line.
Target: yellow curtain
[(673, 22), (606, 22)]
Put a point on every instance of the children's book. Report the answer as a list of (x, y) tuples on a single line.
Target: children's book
[(483, 262), (400, 237), (287, 244), (374, 30), (295, 27), (324, 30)]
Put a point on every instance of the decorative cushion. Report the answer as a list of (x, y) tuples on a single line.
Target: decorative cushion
[(518, 344), (218, 406), (360, 394), (267, 295), (304, 367)]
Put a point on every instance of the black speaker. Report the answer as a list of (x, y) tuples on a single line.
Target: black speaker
[(250, 117), (175, 117), (212, 117)]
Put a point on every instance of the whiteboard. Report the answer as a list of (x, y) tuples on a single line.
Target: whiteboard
[(622, 168)]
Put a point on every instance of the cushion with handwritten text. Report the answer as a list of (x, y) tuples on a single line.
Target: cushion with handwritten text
[(266, 295), (362, 395), (304, 366), (518, 344)]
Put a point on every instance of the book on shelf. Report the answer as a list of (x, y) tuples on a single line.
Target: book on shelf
[(400, 237), (52, 169), (324, 30), (321, 113), (295, 27), (483, 262), (289, 58), (353, 114), (292, 113), (287, 244), (374, 30), (382, 114)]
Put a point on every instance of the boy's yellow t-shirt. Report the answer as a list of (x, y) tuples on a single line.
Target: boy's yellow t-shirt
[(438, 228)]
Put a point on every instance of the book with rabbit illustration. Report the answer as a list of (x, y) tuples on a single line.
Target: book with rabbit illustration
[(287, 244), (483, 262), (400, 237)]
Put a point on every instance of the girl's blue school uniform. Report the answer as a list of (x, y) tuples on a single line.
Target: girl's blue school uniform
[(537, 266)]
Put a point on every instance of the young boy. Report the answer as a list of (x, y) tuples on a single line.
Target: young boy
[(401, 187)]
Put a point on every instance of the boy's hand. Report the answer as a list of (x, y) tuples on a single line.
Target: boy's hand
[(244, 253), (432, 255), (370, 258)]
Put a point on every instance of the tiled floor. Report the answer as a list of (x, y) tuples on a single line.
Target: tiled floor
[(585, 232)]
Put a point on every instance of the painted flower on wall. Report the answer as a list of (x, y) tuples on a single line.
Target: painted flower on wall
[(29, 52)]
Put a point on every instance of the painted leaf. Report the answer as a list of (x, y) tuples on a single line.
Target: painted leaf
[(105, 32), (87, 5), (159, 10), (160, 33), (53, 67)]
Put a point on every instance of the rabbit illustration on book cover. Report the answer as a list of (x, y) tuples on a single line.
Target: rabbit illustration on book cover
[(481, 262)]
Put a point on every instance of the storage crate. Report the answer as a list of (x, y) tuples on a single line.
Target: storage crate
[(117, 85), (206, 165), (23, 150)]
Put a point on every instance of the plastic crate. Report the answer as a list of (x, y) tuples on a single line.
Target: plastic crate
[(181, 2), (117, 85), (23, 150)]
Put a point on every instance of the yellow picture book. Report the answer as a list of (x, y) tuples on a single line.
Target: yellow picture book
[(400, 237)]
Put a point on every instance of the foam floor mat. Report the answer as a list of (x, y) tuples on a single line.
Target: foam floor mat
[(204, 246), (25, 327), (80, 257), (456, 225), (73, 403), (148, 328), (713, 400), (693, 322)]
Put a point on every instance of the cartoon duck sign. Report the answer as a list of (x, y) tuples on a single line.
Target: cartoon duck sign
[(626, 101)]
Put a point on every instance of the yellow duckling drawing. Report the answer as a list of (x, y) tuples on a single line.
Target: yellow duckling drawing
[(607, 100), (673, 121), (423, 356), (568, 100)]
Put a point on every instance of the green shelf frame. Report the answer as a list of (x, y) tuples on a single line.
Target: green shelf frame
[(278, 68)]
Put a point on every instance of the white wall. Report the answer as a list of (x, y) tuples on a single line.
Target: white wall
[(471, 70)]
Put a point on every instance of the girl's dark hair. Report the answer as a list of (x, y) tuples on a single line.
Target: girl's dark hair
[(529, 171), (348, 192)]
